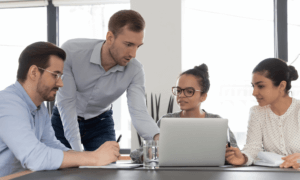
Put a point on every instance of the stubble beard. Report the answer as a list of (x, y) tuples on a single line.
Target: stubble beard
[(44, 92), (113, 55)]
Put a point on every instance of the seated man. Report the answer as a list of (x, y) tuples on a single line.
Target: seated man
[(27, 139)]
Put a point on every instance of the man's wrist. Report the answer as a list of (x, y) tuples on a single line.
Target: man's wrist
[(156, 137)]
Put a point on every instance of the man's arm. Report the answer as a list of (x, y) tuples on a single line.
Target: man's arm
[(66, 104), (17, 133), (48, 136), (141, 120), (105, 154)]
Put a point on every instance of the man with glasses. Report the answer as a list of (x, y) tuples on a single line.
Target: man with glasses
[(96, 73), (27, 139)]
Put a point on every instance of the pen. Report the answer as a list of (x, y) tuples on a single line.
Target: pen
[(119, 138), (228, 138), (228, 144)]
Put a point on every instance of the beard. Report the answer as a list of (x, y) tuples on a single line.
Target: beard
[(113, 54), (44, 91)]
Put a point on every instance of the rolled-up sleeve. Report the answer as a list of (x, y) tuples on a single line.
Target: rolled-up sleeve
[(141, 120), (66, 104), (48, 137), (18, 134)]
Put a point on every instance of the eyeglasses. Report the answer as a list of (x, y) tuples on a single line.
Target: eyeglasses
[(188, 92), (57, 75)]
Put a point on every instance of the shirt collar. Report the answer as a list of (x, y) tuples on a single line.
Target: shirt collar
[(26, 98), (96, 58)]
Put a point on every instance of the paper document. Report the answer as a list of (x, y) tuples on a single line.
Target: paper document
[(268, 159), (115, 166)]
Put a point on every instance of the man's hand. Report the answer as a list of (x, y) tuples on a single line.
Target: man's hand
[(234, 156), (106, 153), (156, 137), (291, 161)]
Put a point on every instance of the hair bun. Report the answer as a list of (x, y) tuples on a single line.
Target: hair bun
[(203, 67), (293, 73)]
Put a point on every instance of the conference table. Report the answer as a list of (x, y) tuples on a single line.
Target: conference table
[(163, 173)]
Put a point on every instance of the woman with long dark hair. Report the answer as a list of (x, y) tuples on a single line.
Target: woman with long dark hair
[(274, 125)]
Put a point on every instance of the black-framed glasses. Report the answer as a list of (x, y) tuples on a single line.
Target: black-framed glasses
[(188, 92), (57, 75)]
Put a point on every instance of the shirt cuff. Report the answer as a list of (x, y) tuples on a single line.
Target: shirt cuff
[(152, 137), (250, 159), (59, 157), (76, 146)]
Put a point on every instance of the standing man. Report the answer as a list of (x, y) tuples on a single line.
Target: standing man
[(27, 139), (96, 73)]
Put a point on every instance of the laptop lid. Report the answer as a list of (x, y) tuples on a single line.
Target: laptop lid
[(192, 141)]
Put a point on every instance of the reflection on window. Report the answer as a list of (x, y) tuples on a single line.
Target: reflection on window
[(231, 39), (92, 22), (19, 28)]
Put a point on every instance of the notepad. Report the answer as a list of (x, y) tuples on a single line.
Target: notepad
[(268, 159), (115, 166)]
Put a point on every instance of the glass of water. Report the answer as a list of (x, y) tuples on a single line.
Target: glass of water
[(150, 149)]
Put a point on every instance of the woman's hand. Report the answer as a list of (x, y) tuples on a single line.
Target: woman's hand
[(234, 156), (291, 161)]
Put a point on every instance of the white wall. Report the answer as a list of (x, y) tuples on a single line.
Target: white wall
[(161, 52)]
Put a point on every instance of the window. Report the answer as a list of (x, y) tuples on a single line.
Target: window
[(21, 27), (294, 42), (230, 38)]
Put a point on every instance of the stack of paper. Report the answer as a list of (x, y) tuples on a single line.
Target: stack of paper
[(115, 166), (269, 159)]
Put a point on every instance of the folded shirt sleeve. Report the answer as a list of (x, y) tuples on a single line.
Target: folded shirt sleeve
[(66, 103), (18, 134), (48, 136)]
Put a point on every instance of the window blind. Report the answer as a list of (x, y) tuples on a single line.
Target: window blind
[(22, 3), (87, 2)]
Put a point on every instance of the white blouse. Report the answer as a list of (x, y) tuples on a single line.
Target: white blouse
[(270, 132)]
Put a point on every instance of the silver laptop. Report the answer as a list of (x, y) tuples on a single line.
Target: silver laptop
[(192, 141)]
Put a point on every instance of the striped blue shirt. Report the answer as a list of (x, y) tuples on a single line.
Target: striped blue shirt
[(27, 138)]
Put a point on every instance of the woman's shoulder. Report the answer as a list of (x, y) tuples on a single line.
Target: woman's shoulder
[(258, 108), (175, 114), (211, 115), (297, 101)]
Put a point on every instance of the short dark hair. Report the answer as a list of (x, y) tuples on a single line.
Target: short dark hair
[(201, 73), (37, 54), (122, 18), (277, 71)]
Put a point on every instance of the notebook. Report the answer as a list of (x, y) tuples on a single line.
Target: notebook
[(268, 159)]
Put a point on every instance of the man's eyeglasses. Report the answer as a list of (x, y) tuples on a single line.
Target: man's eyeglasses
[(57, 75), (188, 92)]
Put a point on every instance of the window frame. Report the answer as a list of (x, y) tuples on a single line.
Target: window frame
[(280, 35)]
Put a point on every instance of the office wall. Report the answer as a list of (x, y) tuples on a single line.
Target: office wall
[(161, 52)]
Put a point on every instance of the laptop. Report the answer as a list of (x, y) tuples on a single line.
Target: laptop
[(192, 141)]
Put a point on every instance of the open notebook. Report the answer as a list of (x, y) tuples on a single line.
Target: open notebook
[(268, 159)]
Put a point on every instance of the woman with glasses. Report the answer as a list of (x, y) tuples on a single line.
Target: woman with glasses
[(191, 90), (274, 124)]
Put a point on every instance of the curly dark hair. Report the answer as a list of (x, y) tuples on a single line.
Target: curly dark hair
[(201, 73)]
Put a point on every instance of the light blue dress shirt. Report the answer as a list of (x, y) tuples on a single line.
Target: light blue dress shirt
[(89, 90), (27, 139)]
